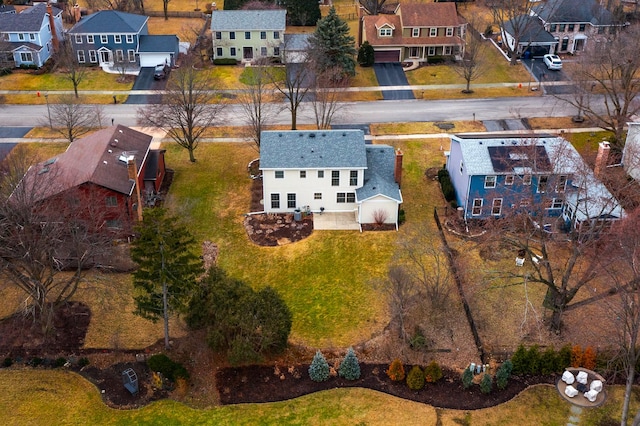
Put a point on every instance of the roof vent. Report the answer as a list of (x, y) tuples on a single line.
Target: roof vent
[(480, 142), (324, 134), (344, 134), (279, 134), (120, 130), (502, 142), (312, 135), (109, 151), (114, 142), (105, 161), (513, 142), (50, 161)]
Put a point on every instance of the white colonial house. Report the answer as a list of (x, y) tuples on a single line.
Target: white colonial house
[(330, 171)]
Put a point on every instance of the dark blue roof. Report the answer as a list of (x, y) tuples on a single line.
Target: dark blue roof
[(159, 43), (111, 22), (573, 11)]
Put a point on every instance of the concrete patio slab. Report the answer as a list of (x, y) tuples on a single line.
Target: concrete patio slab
[(335, 221)]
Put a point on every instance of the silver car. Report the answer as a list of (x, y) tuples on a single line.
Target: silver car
[(553, 62)]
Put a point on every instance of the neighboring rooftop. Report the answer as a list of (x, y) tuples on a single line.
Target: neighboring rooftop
[(248, 20), (577, 11), (30, 20)]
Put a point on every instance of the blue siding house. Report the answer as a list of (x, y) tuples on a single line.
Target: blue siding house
[(29, 38), (543, 175)]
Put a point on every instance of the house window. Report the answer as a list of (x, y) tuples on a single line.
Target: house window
[(353, 177), (247, 35), (556, 203), (571, 27), (385, 32), (431, 51), (414, 52), (461, 166), (447, 50), (562, 27), (129, 38), (582, 27), (496, 207), (320, 174), (119, 55), (565, 43), (117, 38), (279, 174), (104, 39), (351, 197), (526, 180), (114, 224), (433, 32), (508, 180), (263, 51), (78, 39), (562, 183), (276, 51), (232, 35), (542, 184), (263, 35), (132, 55), (341, 197), (93, 57), (335, 178), (553, 28), (232, 51), (20, 36), (303, 174), (477, 207), (90, 39), (525, 202), (32, 36), (415, 32), (275, 201), (317, 195), (81, 56), (111, 201), (218, 51), (489, 181), (449, 31), (26, 57), (291, 201), (276, 35), (218, 35)]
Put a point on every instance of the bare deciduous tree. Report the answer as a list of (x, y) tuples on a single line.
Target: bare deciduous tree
[(189, 106), (516, 16), (473, 64), (72, 119), (372, 7), (326, 96), (69, 66)]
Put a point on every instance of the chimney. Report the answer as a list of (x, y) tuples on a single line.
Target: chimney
[(133, 175), (397, 171), (52, 24), (602, 159), (76, 13)]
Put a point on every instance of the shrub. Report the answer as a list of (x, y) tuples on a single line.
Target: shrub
[(167, 367), (548, 361), (83, 362), (5, 71), (503, 374), (519, 360), (533, 360), (488, 30), (433, 372), (319, 368), (60, 362), (486, 383), (576, 356), (418, 341), (467, 378), (415, 378), (225, 61), (8, 362), (445, 183), (36, 361), (435, 59), (366, 55), (589, 358), (349, 367), (401, 217), (396, 370), (564, 358)]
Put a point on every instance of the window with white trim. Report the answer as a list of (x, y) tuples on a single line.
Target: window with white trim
[(218, 51), (132, 55), (447, 50), (26, 57), (32, 36), (341, 197), (104, 38), (232, 51), (415, 32), (263, 35), (275, 201), (335, 178), (232, 35), (542, 184), (263, 51), (320, 174), (562, 183), (117, 38), (279, 174), (303, 174), (508, 180), (119, 55), (90, 39), (353, 178), (78, 39), (496, 207), (351, 197), (276, 51), (20, 36), (276, 35), (431, 51), (317, 195), (93, 56), (433, 32), (385, 32), (526, 180), (489, 181), (81, 56), (291, 201), (476, 210), (556, 203), (129, 38), (218, 35), (247, 35), (449, 32)]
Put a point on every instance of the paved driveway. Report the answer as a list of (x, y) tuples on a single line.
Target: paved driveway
[(391, 74), (540, 74), (145, 81)]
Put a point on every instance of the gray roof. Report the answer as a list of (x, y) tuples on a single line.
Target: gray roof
[(379, 176), (7, 8), (296, 41), (317, 149), (30, 20), (573, 11), (159, 43), (110, 22), (530, 29), (12, 46), (247, 20)]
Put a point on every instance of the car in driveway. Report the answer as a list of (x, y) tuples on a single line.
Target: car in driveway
[(161, 72), (553, 62)]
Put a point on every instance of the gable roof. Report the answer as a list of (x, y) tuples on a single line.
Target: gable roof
[(110, 21), (247, 20), (159, 43), (379, 176), (317, 149), (429, 14), (530, 30), (99, 158), (30, 20), (573, 11)]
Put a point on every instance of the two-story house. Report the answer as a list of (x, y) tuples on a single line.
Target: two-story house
[(29, 38), (330, 171), (415, 31), (110, 37), (542, 175), (247, 35)]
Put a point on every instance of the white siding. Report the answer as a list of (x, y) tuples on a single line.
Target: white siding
[(369, 208)]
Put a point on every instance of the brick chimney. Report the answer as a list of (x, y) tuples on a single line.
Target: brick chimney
[(602, 159), (133, 175), (397, 171), (52, 24)]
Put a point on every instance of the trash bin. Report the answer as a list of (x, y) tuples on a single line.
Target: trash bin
[(297, 215)]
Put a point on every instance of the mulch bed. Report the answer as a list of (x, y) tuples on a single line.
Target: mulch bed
[(254, 384), (277, 229)]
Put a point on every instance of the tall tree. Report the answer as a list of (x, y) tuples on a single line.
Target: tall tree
[(190, 105), (72, 118), (167, 267), (332, 48), (71, 69), (303, 12), (165, 9), (514, 15), (473, 64), (372, 7), (328, 86)]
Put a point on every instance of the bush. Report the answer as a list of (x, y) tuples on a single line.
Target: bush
[(59, 362), (8, 362), (5, 71), (167, 367), (467, 378), (35, 361), (401, 217), (415, 378), (447, 187), (576, 356), (319, 368), (366, 56), (486, 383), (435, 59), (533, 360), (433, 372), (519, 360), (564, 358), (548, 361), (503, 374), (589, 358), (418, 341), (349, 367), (83, 362), (396, 370), (225, 61)]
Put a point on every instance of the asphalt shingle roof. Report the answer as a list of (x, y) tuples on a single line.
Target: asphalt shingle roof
[(573, 11), (159, 43), (379, 176), (30, 20), (109, 22), (248, 20), (530, 28)]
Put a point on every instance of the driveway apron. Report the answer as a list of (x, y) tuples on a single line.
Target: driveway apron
[(391, 74)]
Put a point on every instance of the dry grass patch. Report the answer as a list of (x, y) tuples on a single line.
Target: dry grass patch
[(556, 123), (478, 93), (184, 28), (410, 128)]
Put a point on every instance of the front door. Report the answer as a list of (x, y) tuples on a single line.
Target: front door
[(247, 53), (105, 57)]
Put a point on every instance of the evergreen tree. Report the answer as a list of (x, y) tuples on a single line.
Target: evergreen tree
[(396, 370), (319, 368), (433, 372), (167, 267), (303, 12), (502, 376), (366, 55), (519, 360), (486, 383), (467, 378), (331, 46), (415, 378), (349, 367)]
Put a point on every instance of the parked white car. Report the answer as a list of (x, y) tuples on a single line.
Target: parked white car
[(553, 62)]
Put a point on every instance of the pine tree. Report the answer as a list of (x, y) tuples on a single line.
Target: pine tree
[(302, 12), (396, 370), (432, 372), (319, 368), (331, 46), (167, 267), (486, 383), (415, 378), (467, 378), (366, 55), (349, 367), (503, 374)]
